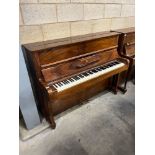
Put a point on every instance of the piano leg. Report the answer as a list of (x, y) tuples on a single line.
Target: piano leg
[(124, 89), (115, 83), (52, 122), (49, 114)]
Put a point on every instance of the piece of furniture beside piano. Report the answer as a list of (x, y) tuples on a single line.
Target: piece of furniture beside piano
[(126, 49), (67, 71)]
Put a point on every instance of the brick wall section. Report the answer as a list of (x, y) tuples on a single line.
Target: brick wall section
[(42, 20)]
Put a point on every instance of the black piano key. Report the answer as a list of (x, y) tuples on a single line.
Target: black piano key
[(76, 78), (90, 72), (81, 76), (102, 68), (113, 64), (61, 83), (117, 62), (71, 80), (98, 69), (85, 74), (68, 81), (65, 81), (95, 71), (58, 84), (107, 66), (55, 85)]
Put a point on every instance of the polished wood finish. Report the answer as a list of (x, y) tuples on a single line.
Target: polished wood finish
[(52, 61), (126, 49)]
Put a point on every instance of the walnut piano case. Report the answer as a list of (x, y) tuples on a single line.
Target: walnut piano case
[(67, 71)]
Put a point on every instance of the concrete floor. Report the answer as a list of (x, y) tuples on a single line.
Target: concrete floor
[(104, 126)]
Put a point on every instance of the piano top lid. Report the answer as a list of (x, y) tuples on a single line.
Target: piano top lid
[(38, 46), (125, 30)]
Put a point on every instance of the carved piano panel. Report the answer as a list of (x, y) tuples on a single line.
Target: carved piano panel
[(126, 41)]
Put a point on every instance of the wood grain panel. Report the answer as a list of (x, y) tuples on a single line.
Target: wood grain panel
[(71, 98), (68, 51), (130, 38), (69, 68), (130, 50)]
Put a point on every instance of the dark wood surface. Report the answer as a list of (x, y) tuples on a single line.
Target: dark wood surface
[(126, 49), (56, 60), (65, 41), (125, 30)]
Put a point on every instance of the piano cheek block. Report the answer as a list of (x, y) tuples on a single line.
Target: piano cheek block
[(73, 71)]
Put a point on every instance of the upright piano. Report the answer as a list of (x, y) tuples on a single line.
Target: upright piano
[(65, 72)]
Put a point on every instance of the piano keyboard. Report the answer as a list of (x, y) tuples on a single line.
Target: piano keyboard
[(88, 75)]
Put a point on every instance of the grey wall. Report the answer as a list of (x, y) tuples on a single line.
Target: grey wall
[(26, 99)]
